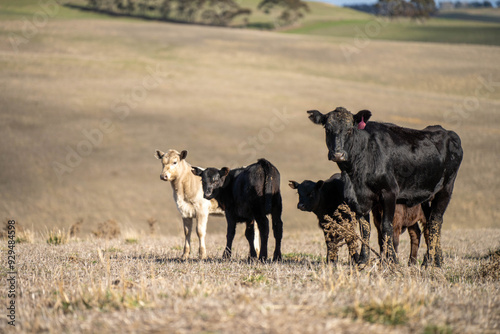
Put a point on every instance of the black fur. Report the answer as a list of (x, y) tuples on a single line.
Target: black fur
[(387, 164), (247, 194), (322, 198)]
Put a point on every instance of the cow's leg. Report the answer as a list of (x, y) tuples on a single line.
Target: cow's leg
[(231, 231), (388, 208), (250, 235), (439, 204), (188, 226), (377, 221), (277, 225), (415, 233), (364, 230), (201, 230)]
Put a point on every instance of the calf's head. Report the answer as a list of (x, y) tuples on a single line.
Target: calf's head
[(213, 180), (339, 125), (172, 164), (309, 195)]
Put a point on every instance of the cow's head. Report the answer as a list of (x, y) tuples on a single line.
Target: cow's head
[(213, 180), (339, 125), (309, 195), (172, 162)]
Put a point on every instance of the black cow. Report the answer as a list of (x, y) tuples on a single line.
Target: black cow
[(247, 194), (323, 198), (387, 164)]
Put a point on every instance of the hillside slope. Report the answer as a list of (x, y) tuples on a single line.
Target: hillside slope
[(228, 96)]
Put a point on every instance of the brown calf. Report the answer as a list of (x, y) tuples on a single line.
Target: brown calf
[(404, 217)]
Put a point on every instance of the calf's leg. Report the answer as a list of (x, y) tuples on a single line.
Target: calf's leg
[(201, 230), (250, 235), (231, 231), (277, 226), (415, 233), (188, 226), (263, 224)]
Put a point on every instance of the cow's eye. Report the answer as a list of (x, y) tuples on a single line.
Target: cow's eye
[(175, 163)]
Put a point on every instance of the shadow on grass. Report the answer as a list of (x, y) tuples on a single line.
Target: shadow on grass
[(286, 261)]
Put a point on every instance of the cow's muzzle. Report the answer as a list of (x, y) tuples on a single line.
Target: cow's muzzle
[(337, 156), (301, 207)]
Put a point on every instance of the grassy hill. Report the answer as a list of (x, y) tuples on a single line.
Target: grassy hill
[(471, 27), (219, 90), (115, 89)]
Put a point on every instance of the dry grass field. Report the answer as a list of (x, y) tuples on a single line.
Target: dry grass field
[(136, 284), (86, 99)]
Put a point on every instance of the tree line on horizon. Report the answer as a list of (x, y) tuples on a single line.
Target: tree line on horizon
[(210, 12), (417, 9)]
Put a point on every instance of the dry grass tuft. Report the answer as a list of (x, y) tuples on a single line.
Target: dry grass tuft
[(57, 237), (337, 228), (107, 230), (153, 226), (74, 230), (491, 269), (22, 235)]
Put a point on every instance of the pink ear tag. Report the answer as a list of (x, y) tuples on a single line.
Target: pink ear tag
[(361, 124)]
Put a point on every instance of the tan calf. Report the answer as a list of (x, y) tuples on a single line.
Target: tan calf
[(188, 196)]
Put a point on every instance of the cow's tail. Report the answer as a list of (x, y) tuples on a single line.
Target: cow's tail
[(268, 183)]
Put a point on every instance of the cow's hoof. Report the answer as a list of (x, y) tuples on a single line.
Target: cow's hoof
[(277, 257)]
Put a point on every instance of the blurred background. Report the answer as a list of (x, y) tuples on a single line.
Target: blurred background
[(90, 89)]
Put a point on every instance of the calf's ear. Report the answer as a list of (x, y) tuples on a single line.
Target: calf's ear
[(159, 154), (184, 154), (224, 171), (196, 171), (361, 118), (319, 184), (316, 117), (293, 184)]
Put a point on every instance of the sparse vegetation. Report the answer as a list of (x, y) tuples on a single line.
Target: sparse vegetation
[(109, 229), (57, 237), (125, 287), (153, 226), (234, 83), (74, 230)]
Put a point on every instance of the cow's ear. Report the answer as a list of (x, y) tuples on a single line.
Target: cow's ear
[(319, 184), (361, 118), (293, 184), (224, 171), (316, 117), (159, 154), (184, 154), (196, 171)]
